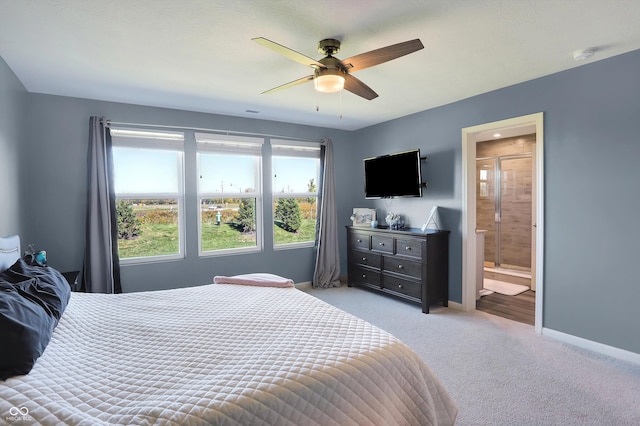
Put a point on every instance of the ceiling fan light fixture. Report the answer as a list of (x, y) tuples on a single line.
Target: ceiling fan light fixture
[(328, 80), (329, 83)]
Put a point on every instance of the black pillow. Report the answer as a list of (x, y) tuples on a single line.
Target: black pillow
[(32, 300)]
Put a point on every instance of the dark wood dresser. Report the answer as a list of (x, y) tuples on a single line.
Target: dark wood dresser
[(408, 264)]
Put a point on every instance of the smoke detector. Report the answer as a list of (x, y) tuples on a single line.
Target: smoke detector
[(583, 54)]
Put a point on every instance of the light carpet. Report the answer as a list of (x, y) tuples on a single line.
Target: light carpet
[(508, 289), (501, 372)]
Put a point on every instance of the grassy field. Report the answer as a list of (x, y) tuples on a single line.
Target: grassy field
[(225, 236), (162, 239), (154, 240), (307, 232)]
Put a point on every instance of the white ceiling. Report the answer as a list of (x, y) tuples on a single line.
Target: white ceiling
[(198, 55)]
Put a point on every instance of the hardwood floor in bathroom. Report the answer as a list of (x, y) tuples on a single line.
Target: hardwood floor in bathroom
[(520, 307)]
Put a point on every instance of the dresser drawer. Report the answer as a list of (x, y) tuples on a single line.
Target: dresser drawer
[(382, 243), (409, 247), (401, 286), (366, 258), (359, 241), (402, 266), (359, 275)]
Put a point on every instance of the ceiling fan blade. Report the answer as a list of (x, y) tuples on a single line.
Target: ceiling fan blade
[(379, 56), (357, 87), (290, 84), (285, 51)]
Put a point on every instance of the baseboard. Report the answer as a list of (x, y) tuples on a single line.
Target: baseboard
[(455, 306), (343, 280), (303, 285), (600, 348)]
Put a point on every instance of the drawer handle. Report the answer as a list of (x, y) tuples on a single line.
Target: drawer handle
[(359, 240), (382, 244), (407, 248), (364, 275), (400, 267), (400, 286), (364, 259)]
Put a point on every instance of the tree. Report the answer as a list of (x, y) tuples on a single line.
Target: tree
[(246, 217), (128, 222), (311, 187), (289, 215)]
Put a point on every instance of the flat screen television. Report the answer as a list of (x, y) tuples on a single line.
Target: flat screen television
[(393, 175)]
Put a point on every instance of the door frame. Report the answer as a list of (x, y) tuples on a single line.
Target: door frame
[(470, 136)]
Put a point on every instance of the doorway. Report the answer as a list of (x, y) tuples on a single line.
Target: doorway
[(505, 207), (471, 136), (505, 179)]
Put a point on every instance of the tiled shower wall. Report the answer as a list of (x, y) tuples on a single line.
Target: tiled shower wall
[(516, 183)]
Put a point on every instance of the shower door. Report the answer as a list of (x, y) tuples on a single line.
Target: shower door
[(504, 202), (486, 206), (514, 238)]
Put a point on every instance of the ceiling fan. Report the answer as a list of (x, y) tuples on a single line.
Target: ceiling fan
[(332, 74)]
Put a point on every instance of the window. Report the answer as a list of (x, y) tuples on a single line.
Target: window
[(148, 170), (296, 170), (229, 193), (228, 203)]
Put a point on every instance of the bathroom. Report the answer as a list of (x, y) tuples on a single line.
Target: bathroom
[(505, 215)]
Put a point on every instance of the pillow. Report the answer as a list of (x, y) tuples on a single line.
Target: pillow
[(259, 279), (32, 301), (9, 251)]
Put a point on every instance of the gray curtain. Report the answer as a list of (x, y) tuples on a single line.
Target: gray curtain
[(327, 272), (101, 270)]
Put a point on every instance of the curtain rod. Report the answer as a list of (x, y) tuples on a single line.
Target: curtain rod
[(108, 123)]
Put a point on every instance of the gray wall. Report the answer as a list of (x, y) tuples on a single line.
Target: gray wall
[(438, 135), (12, 101), (591, 191), (56, 159), (592, 188)]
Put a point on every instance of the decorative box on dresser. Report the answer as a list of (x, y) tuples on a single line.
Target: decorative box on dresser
[(408, 264)]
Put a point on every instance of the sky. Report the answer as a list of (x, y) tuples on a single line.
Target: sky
[(156, 171), (145, 170)]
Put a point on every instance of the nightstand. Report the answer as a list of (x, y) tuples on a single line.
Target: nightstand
[(72, 279)]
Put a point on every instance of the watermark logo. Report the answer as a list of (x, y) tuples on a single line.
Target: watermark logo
[(18, 414)]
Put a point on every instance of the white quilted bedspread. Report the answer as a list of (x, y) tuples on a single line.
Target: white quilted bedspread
[(224, 355)]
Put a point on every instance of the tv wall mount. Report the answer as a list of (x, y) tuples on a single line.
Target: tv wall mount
[(426, 160)]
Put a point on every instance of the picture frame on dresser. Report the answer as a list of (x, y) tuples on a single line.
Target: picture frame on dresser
[(363, 217)]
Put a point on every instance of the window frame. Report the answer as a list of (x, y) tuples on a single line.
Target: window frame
[(291, 149), (153, 139), (238, 145)]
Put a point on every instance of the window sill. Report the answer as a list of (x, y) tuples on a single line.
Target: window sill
[(229, 252), (293, 246), (150, 259)]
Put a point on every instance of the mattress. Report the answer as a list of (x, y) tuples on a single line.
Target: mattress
[(222, 354)]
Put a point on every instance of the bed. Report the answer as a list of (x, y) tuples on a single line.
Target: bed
[(223, 354)]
